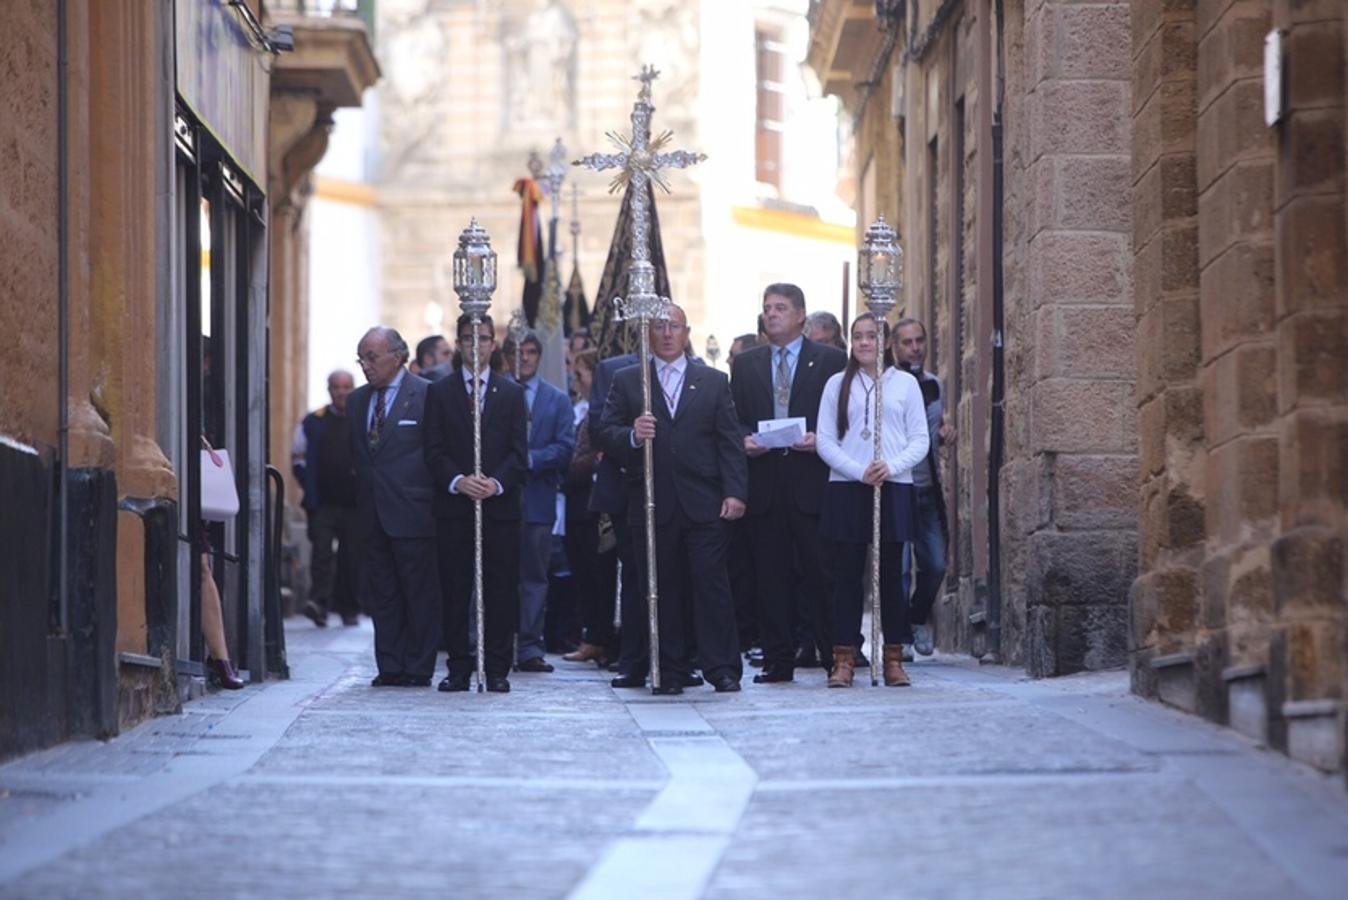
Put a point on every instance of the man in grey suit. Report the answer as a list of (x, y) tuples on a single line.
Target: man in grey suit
[(401, 585)]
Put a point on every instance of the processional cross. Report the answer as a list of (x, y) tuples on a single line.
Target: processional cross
[(639, 161)]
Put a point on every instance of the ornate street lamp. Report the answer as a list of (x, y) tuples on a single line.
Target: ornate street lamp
[(880, 277), (474, 282)]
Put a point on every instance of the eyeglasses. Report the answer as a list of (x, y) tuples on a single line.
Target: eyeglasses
[(371, 357)]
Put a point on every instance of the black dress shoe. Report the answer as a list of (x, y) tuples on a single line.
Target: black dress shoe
[(537, 664), (668, 689), (612, 667), (774, 673), (221, 673), (317, 614), (415, 681), (628, 681), (498, 684), (725, 684), (692, 679), (452, 683), (388, 679)]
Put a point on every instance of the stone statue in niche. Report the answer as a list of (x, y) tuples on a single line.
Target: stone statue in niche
[(540, 69)]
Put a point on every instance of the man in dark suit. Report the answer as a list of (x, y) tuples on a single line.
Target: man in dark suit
[(785, 379), (700, 486), (393, 502), (552, 441), (449, 455)]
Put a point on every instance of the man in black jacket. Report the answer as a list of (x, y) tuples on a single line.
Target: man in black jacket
[(449, 455), (700, 486), (785, 379)]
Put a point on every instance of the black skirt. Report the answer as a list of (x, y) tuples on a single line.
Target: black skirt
[(846, 516)]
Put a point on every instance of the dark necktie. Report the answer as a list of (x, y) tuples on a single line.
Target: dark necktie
[(377, 429)]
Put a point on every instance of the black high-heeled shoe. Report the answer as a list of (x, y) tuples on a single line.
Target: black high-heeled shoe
[(221, 673)]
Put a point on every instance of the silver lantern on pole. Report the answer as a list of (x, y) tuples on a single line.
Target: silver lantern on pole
[(880, 277), (474, 282), (640, 161)]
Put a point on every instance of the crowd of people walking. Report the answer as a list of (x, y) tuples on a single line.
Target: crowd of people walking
[(760, 538)]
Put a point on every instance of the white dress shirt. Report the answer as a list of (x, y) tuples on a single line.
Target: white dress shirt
[(468, 389), (903, 438)]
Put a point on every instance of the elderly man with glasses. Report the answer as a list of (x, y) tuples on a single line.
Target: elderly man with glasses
[(400, 582)]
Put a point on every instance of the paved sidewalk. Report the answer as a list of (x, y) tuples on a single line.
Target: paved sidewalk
[(975, 782)]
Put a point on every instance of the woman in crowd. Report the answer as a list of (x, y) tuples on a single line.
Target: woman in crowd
[(848, 418)]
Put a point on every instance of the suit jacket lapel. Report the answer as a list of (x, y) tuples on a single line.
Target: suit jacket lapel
[(804, 369), (688, 390)]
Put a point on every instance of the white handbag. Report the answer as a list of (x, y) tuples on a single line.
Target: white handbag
[(219, 496)]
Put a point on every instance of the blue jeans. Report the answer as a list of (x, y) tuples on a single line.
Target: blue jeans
[(930, 550)]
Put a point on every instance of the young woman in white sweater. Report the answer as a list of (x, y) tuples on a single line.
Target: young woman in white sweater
[(845, 440)]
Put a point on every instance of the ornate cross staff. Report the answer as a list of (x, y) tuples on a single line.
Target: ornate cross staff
[(880, 277), (639, 161), (516, 329), (474, 281)]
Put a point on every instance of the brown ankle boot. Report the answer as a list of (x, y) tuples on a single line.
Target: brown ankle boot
[(894, 674), (844, 667)]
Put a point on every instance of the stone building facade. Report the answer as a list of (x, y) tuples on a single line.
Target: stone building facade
[(126, 327), (472, 89), (1134, 290)]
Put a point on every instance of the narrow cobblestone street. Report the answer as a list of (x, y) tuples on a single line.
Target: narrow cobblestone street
[(976, 782)]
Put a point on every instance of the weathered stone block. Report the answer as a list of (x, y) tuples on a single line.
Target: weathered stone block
[(1095, 341), (1247, 707), (1084, 568), (1207, 13), (1078, 267), (1087, 191), (1315, 72), (1151, 426), (1242, 485), (1165, 193), (1231, 50), (1149, 15), (1175, 680), (1170, 54), (1315, 465), (1079, 416), (1312, 264), (1238, 588), (1240, 391), (1092, 638), (1026, 494), (1078, 117), (1312, 360), (1095, 492), (1143, 611), (1312, 160), (1238, 206), (1315, 733), (1308, 572), (1237, 297), (1232, 129), (1315, 661), (1091, 42), (1164, 124), (1168, 336)]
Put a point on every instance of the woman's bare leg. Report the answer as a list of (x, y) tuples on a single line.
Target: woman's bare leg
[(212, 619)]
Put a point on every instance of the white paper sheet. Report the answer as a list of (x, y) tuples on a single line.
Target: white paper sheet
[(774, 434)]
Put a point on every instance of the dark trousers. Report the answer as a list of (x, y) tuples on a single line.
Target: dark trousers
[(592, 579), (500, 595), (743, 584), (791, 576), (851, 574), (333, 575), (930, 551), (402, 590), (636, 638), (691, 566)]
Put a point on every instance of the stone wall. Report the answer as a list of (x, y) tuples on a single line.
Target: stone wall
[(1071, 445), (1240, 612), (29, 408)]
